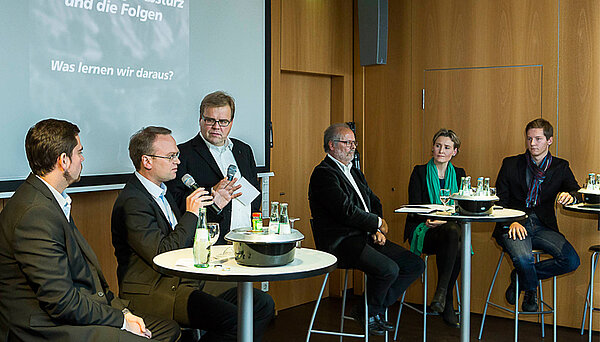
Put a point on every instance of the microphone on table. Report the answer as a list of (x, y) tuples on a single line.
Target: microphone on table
[(189, 181), (231, 170)]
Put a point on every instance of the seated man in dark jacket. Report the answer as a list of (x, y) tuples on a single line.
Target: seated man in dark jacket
[(347, 221), (532, 182)]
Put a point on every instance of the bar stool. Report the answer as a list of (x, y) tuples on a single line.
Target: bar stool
[(589, 300), (545, 308), (423, 311)]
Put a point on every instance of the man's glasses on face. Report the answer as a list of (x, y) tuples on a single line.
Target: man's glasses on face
[(348, 143), (171, 157), (211, 122)]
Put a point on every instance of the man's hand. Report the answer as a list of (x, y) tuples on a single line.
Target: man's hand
[(379, 238), (223, 192), (565, 198), (136, 325), (384, 227), (516, 230), (197, 199), (434, 223)]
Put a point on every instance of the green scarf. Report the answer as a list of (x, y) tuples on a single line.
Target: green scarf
[(433, 189)]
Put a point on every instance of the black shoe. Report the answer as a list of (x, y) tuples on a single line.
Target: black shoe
[(530, 303), (512, 288), (374, 327), (450, 318), (439, 300), (384, 324)]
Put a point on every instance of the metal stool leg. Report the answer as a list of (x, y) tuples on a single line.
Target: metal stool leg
[(517, 309), (425, 300), (591, 287), (399, 313), (312, 320), (344, 304), (366, 309), (541, 297), (585, 307), (554, 308), (487, 300)]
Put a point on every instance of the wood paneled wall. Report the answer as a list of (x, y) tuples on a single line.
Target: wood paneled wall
[(427, 37)]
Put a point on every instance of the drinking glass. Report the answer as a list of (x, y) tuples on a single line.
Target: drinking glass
[(492, 191), (445, 197)]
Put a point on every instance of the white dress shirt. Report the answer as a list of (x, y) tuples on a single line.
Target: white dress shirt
[(346, 171), (63, 199), (223, 155), (157, 192)]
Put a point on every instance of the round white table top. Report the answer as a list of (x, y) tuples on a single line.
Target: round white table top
[(582, 208), (498, 215), (223, 267)]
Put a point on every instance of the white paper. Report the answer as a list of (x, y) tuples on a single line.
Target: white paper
[(422, 208), (249, 192)]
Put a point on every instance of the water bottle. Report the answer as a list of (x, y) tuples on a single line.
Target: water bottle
[(201, 248), (274, 220), (284, 222), (486, 186), (591, 183), (480, 190)]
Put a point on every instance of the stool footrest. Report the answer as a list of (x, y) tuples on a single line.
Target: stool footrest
[(336, 333)]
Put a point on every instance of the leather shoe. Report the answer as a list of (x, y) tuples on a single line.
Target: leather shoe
[(512, 288), (384, 324), (450, 318), (373, 325), (530, 301), (439, 300)]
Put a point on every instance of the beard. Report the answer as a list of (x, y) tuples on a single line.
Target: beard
[(70, 179)]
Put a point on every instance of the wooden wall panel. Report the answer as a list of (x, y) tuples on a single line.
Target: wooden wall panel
[(298, 145), (578, 136), (91, 213)]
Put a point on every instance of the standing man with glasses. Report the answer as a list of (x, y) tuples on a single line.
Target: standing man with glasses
[(207, 157), (146, 222), (348, 222)]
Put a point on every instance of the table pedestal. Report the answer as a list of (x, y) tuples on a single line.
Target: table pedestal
[(245, 311), (465, 312)]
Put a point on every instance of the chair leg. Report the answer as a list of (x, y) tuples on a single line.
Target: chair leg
[(344, 304), (425, 300), (487, 300), (399, 313), (585, 309), (366, 309), (554, 308), (541, 297), (517, 309), (591, 287), (312, 319), (458, 298)]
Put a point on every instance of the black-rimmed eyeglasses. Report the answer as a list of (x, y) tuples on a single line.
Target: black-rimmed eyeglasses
[(170, 157), (211, 122)]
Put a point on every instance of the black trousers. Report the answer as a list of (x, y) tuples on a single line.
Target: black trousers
[(390, 269), (444, 242), (218, 315)]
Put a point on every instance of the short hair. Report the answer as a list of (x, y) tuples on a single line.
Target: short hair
[(443, 132), (141, 143), (46, 141), (217, 99), (331, 133), (543, 124)]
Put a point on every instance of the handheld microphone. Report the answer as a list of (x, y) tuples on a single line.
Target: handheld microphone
[(189, 181), (231, 170)]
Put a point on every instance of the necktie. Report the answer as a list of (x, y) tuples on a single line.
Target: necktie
[(169, 212)]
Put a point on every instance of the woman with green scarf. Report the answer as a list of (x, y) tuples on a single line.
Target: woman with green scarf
[(437, 237)]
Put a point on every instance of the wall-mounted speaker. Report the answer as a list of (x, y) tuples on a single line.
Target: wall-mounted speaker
[(373, 31)]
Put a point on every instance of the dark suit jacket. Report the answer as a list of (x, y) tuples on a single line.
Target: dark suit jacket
[(338, 213), (197, 161), (51, 285), (511, 187), (419, 194), (140, 231)]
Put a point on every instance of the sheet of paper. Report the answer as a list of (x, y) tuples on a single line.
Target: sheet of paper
[(422, 208), (249, 192)]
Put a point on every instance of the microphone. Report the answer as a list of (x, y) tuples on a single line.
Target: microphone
[(189, 181), (231, 170)]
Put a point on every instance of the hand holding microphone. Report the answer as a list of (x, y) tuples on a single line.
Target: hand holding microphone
[(197, 199)]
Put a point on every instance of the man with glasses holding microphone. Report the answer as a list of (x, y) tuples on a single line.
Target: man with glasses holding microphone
[(207, 157)]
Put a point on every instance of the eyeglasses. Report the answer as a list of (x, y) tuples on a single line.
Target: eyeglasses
[(211, 122), (170, 157), (348, 143)]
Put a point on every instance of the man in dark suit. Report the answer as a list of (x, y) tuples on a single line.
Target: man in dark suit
[(533, 182), (348, 222), (206, 158), (51, 284), (146, 222)]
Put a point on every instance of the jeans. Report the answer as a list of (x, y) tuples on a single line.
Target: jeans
[(564, 257)]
